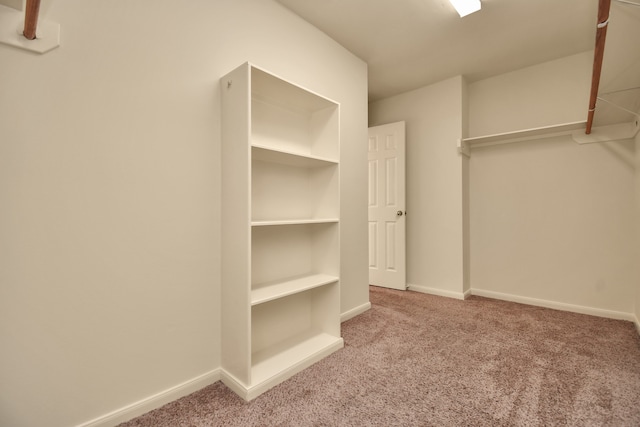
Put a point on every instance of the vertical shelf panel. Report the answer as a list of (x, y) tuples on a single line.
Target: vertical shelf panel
[(236, 234)]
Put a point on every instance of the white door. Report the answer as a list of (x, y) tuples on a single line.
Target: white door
[(387, 215)]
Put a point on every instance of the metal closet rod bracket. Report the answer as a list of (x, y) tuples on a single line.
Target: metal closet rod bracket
[(12, 29)]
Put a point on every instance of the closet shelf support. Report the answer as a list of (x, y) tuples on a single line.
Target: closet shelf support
[(619, 107), (22, 28)]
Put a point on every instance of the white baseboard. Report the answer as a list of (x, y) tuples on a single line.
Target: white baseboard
[(234, 384), (150, 403), (354, 312), (556, 305), (610, 314), (439, 292)]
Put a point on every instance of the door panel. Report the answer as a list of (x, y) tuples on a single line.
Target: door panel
[(387, 222)]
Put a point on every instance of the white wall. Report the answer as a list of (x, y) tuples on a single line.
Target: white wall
[(434, 123), (545, 94), (551, 220), (110, 190)]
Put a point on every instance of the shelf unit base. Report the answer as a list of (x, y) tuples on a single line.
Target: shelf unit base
[(277, 366)]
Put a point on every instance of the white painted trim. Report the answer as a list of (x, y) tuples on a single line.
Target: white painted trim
[(637, 323), (234, 384), (350, 314), (150, 403), (438, 292), (610, 314)]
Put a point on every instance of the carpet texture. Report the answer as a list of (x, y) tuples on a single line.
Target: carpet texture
[(422, 360)]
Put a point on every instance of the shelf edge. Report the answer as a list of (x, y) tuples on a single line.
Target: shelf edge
[(313, 281), (295, 154), (294, 222), (525, 134)]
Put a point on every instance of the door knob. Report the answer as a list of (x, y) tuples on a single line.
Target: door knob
[(399, 213)]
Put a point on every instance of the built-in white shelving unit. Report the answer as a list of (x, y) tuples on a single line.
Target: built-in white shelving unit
[(280, 229)]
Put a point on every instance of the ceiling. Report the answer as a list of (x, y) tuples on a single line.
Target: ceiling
[(408, 44)]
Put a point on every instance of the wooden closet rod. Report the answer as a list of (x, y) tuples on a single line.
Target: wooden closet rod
[(601, 35), (31, 19)]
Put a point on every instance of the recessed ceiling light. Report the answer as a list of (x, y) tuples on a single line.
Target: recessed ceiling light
[(465, 7)]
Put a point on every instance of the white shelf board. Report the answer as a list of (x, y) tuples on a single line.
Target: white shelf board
[(289, 357), (294, 222), (284, 157), (270, 291), (274, 89), (525, 134)]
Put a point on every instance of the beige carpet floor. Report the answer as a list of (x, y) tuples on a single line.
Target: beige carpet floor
[(423, 360)]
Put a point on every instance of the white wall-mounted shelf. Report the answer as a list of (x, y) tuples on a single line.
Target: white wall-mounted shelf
[(525, 134), (614, 132)]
